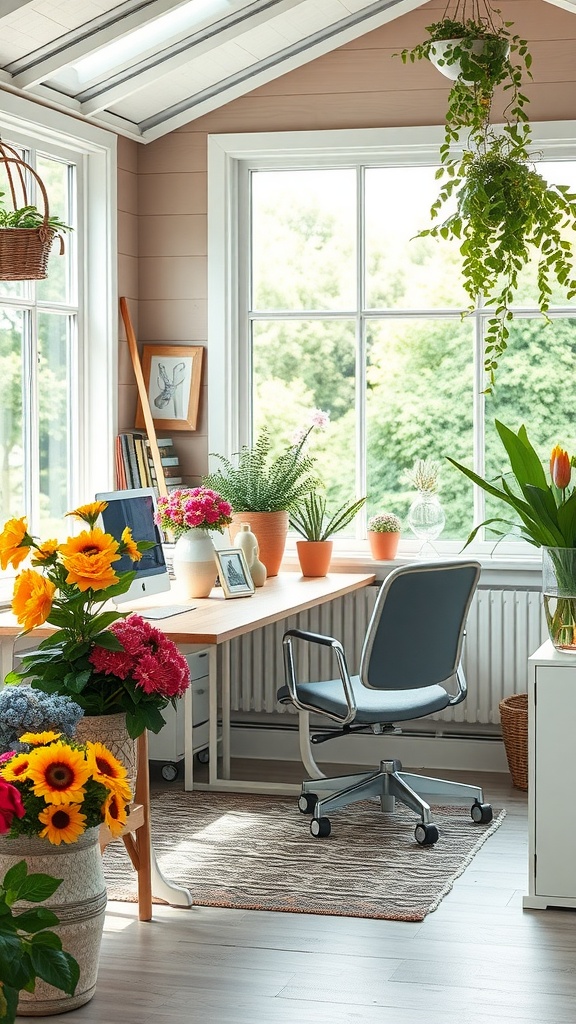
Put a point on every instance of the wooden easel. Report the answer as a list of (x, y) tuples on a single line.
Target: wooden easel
[(148, 421)]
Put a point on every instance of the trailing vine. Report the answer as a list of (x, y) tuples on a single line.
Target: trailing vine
[(504, 209)]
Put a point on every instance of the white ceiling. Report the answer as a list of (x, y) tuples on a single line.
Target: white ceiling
[(145, 67)]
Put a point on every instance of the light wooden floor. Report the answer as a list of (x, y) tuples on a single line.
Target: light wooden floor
[(478, 959)]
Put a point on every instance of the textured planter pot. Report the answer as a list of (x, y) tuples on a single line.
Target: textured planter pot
[(194, 564), (314, 556), (383, 546), (270, 530), (79, 903), (112, 732)]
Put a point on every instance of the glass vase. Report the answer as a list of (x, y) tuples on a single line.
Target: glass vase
[(559, 595), (426, 519)]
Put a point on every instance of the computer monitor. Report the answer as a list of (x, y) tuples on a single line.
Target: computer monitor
[(135, 508)]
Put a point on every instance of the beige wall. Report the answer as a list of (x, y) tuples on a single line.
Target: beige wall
[(356, 86)]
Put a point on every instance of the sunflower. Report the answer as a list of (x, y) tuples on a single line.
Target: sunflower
[(128, 545), (14, 543), (108, 770), (114, 811), (36, 739), (88, 559), (16, 769), (64, 823), (58, 773), (89, 513), (32, 599)]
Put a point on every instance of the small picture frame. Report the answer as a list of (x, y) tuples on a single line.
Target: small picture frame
[(234, 573), (172, 375)]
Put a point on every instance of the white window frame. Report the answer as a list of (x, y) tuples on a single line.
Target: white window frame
[(231, 158), (95, 148)]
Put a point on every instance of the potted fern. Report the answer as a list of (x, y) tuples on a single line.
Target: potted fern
[(504, 209), (263, 490), (316, 524)]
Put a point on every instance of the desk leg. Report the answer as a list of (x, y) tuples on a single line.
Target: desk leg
[(225, 658), (188, 741), (213, 715), (151, 881)]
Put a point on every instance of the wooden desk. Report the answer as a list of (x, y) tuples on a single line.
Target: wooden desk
[(212, 623)]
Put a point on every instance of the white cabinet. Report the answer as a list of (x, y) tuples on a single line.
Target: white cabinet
[(167, 745), (551, 779)]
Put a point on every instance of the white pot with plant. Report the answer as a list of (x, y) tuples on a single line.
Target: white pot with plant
[(384, 530)]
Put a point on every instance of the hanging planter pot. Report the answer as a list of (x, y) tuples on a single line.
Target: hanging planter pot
[(469, 60), (26, 235)]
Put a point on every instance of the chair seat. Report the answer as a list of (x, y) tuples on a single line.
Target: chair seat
[(372, 706)]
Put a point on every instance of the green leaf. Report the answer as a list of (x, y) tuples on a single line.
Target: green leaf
[(38, 887), (34, 920), (524, 461), (15, 876), (55, 966)]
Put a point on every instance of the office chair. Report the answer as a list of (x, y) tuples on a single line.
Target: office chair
[(412, 647)]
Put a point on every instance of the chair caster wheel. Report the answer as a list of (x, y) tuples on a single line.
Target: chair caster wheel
[(169, 772), (481, 813), (320, 828), (203, 756), (426, 835), (307, 803)]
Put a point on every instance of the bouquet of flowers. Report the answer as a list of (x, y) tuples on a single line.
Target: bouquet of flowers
[(188, 508), (64, 787), (23, 709), (29, 950), (68, 588)]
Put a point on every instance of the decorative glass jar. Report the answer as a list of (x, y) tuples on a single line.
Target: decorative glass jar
[(426, 519), (559, 594)]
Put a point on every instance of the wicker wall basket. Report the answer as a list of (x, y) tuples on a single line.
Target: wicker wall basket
[(514, 718), (24, 252)]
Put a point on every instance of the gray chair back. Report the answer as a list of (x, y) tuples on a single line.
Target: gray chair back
[(416, 632)]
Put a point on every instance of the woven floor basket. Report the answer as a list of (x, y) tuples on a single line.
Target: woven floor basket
[(514, 718)]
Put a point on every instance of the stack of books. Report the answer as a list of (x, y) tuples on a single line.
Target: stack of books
[(135, 466)]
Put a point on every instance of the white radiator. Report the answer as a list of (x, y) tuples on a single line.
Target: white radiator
[(504, 627)]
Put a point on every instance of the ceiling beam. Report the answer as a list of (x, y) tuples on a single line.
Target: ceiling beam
[(149, 70), (568, 5), (63, 53)]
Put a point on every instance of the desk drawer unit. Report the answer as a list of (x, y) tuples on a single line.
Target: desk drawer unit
[(168, 745)]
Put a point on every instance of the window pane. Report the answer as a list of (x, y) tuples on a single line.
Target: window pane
[(9, 172), (300, 366), (303, 236), (419, 405), (11, 437), (54, 174), (53, 387), (532, 388), (404, 272)]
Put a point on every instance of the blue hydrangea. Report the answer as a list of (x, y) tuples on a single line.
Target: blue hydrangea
[(23, 709)]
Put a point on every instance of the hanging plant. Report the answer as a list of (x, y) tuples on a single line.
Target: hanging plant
[(503, 210)]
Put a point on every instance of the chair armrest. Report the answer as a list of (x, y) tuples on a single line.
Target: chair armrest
[(292, 682), (462, 687)]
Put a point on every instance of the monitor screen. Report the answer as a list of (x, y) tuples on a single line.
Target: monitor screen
[(136, 508)]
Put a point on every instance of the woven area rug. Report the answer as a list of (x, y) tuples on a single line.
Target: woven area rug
[(256, 853)]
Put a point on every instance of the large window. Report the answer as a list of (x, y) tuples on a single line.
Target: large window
[(338, 306), (57, 335)]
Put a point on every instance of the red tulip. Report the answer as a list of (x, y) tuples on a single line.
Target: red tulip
[(560, 467)]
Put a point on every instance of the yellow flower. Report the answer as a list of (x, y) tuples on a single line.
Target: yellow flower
[(88, 559), (114, 811), (64, 823), (45, 551), (32, 598), (128, 545), (58, 773), (89, 513), (14, 543), (15, 769), (108, 770), (38, 738)]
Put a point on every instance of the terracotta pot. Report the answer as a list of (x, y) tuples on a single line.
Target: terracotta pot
[(314, 556), (270, 530), (383, 546)]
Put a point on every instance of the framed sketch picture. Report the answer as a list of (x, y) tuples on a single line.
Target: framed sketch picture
[(234, 572), (172, 376)]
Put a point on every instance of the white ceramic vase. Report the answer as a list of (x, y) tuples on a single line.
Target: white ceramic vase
[(194, 564)]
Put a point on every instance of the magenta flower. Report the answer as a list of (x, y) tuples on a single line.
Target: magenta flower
[(149, 660), (199, 507)]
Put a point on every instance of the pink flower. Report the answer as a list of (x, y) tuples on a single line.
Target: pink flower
[(10, 805), (149, 659), (187, 509)]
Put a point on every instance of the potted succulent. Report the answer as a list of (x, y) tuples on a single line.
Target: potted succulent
[(504, 208), (263, 490), (316, 524), (384, 535)]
